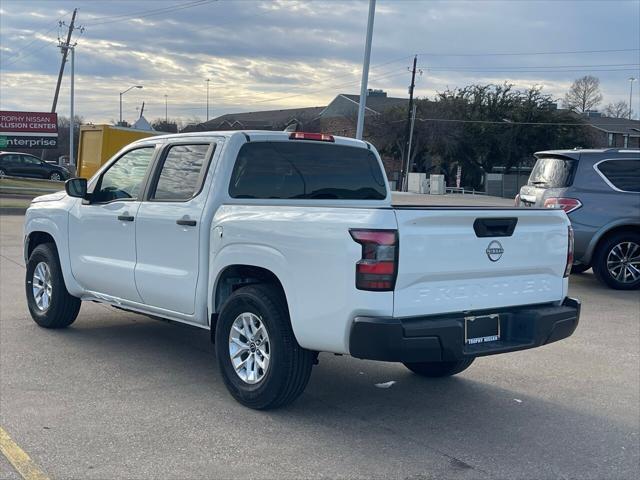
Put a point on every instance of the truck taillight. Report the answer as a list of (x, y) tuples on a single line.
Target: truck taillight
[(567, 269), (516, 201), (566, 204), (378, 267)]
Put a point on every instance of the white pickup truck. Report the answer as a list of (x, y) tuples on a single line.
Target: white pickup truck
[(284, 245)]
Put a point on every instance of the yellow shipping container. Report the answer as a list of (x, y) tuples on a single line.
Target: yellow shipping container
[(98, 143)]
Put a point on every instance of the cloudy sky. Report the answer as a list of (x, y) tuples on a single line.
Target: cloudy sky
[(263, 55)]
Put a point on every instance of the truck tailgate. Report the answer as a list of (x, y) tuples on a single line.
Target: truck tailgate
[(446, 265)]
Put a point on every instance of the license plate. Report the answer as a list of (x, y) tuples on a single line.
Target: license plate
[(481, 329)]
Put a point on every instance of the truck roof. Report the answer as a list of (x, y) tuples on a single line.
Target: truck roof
[(261, 135)]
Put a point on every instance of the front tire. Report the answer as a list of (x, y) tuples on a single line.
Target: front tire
[(49, 302), (440, 369), (261, 363), (617, 261)]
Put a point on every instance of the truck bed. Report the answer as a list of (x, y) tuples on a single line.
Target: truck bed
[(450, 200)]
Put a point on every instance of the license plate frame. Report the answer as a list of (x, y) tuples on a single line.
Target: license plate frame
[(480, 329)]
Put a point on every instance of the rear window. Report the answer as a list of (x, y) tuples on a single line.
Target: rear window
[(553, 172), (622, 174), (302, 170)]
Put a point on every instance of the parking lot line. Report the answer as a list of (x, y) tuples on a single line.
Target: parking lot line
[(19, 458)]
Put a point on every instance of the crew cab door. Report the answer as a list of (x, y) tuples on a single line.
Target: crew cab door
[(102, 243), (168, 227)]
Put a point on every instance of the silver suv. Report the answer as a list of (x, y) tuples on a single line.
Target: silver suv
[(600, 192)]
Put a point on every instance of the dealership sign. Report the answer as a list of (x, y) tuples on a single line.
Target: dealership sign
[(28, 130)]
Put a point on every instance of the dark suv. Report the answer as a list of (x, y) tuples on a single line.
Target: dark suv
[(600, 192), (17, 164)]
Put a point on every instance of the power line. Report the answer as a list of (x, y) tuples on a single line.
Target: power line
[(147, 13), (499, 122), (574, 52), (537, 66), (19, 54)]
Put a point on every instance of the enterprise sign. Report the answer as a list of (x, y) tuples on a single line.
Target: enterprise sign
[(28, 130)]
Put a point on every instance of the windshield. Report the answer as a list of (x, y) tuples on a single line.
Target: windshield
[(553, 172)]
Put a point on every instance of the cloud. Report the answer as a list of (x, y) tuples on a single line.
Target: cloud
[(279, 54)]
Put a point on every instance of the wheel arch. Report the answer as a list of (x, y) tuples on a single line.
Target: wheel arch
[(39, 230), (234, 276), (607, 232)]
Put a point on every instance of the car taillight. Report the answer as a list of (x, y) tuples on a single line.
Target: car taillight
[(567, 269), (516, 201), (318, 137), (566, 204), (378, 267)]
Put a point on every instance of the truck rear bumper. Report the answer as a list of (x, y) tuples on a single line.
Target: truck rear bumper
[(441, 337)]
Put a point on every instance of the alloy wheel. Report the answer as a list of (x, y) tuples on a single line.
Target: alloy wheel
[(623, 262), (42, 286), (249, 347)]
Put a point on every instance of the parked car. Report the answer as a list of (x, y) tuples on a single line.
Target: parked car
[(600, 192), (284, 245), (17, 164)]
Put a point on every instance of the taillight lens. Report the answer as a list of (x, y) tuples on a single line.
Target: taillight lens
[(516, 201), (378, 267), (567, 269), (566, 204)]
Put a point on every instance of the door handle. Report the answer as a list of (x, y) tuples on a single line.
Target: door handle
[(187, 223), (125, 218)]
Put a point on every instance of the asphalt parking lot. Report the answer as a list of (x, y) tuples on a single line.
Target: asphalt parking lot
[(118, 395)]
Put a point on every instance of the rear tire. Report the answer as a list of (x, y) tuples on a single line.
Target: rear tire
[(49, 302), (287, 365), (2, 173), (55, 176), (608, 263), (440, 369)]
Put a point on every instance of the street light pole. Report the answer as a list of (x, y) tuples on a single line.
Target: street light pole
[(72, 161), (66, 49), (166, 118), (121, 94), (631, 80), (207, 99), (365, 70)]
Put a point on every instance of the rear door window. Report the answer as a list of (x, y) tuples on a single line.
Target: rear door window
[(621, 174), (553, 172), (182, 172), (302, 170)]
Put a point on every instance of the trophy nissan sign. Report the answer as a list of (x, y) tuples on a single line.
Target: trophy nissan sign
[(28, 130)]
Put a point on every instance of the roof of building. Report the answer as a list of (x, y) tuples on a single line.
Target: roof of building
[(377, 103), (264, 119), (615, 125)]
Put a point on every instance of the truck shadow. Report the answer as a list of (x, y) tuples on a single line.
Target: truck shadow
[(498, 429)]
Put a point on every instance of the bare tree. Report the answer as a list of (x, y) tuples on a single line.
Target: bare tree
[(584, 94), (617, 110)]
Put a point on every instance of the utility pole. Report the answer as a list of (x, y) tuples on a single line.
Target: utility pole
[(413, 121), (65, 52), (631, 80), (365, 70), (404, 171)]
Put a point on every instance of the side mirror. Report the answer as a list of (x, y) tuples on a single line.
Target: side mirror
[(76, 187)]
